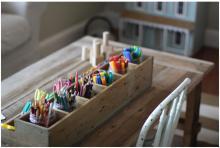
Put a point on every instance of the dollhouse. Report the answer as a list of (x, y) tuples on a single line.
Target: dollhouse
[(176, 27)]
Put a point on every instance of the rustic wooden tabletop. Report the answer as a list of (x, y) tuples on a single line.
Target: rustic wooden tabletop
[(123, 128)]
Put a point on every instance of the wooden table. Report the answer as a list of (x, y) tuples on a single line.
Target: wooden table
[(123, 128)]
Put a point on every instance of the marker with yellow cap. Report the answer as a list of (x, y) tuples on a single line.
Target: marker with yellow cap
[(8, 127)]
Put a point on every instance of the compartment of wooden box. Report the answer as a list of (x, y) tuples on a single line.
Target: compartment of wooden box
[(7, 136), (91, 113)]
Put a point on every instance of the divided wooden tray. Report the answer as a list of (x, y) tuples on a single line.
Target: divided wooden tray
[(71, 127)]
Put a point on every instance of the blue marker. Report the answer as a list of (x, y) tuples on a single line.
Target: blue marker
[(110, 78), (27, 107), (127, 55), (98, 79)]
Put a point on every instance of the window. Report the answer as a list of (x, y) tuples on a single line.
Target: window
[(159, 6), (130, 30), (180, 8), (178, 38), (139, 4)]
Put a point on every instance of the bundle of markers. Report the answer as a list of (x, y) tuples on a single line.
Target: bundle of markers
[(118, 64), (41, 110), (98, 75), (64, 99), (83, 86), (102, 77), (66, 90), (133, 54)]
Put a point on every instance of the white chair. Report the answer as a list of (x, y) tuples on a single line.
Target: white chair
[(169, 112)]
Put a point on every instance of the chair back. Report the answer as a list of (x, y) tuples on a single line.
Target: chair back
[(168, 113)]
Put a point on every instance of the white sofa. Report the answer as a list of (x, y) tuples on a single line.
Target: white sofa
[(20, 34)]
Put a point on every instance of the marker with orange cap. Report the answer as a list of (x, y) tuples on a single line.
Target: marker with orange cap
[(113, 66), (103, 78)]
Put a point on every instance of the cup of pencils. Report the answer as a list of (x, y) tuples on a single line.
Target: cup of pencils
[(83, 85), (63, 95), (65, 91), (133, 54), (102, 77), (118, 64), (42, 112)]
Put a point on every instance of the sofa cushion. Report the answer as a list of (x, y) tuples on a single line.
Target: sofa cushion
[(15, 31)]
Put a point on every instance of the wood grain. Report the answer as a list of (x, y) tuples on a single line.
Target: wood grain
[(121, 129), (108, 101)]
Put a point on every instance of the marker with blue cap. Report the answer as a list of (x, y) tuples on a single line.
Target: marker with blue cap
[(27, 107)]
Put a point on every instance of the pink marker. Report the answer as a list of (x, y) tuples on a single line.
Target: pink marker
[(76, 82)]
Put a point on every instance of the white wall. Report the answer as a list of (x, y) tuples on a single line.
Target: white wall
[(62, 15), (213, 15)]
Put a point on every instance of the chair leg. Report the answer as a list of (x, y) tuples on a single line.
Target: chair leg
[(192, 116)]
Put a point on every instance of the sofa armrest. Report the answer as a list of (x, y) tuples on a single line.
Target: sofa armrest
[(25, 9), (32, 12)]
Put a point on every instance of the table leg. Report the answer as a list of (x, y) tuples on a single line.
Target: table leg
[(192, 125)]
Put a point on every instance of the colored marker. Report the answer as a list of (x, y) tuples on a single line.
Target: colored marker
[(8, 127), (76, 82), (27, 107)]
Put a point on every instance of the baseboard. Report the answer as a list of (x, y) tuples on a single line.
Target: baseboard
[(212, 38), (63, 38)]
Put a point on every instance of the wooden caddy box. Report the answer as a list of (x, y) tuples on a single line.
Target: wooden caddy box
[(71, 127)]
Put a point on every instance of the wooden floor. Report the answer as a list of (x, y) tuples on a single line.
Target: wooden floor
[(211, 81)]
